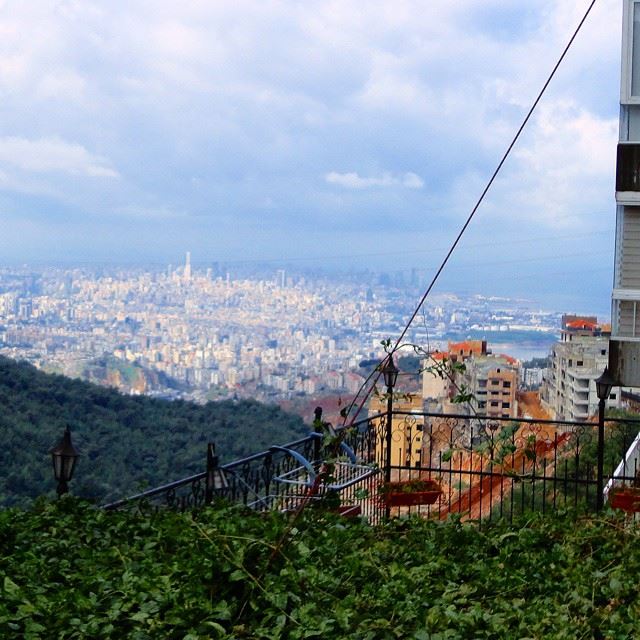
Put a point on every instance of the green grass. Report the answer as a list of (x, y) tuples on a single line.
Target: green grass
[(71, 571)]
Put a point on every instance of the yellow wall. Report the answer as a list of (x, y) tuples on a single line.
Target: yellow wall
[(406, 432)]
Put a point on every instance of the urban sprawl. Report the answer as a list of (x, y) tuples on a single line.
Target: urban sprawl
[(211, 332)]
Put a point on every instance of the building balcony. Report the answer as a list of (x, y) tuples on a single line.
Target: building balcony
[(628, 174), (580, 384), (626, 314)]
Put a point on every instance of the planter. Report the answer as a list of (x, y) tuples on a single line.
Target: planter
[(410, 499), (625, 499), (410, 493)]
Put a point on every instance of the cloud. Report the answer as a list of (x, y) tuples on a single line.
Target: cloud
[(51, 155), (352, 180), (563, 173), (343, 115)]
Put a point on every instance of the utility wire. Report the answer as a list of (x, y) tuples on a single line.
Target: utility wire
[(506, 154)]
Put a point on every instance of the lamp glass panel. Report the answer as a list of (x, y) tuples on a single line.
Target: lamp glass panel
[(57, 466), (69, 463)]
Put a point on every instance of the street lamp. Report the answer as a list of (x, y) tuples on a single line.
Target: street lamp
[(390, 374), (64, 457), (216, 477), (604, 384)]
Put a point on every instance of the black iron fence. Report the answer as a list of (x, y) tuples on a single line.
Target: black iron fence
[(335, 468), (476, 467)]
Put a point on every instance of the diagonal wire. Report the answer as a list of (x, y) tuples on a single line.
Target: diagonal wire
[(506, 154)]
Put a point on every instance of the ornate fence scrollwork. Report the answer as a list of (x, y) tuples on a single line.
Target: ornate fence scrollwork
[(487, 467)]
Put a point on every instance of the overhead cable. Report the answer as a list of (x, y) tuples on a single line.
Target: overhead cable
[(453, 246)]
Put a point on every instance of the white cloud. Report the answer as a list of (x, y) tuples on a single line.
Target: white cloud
[(62, 85), (564, 175), (412, 181), (259, 98), (51, 155), (353, 180), (560, 175)]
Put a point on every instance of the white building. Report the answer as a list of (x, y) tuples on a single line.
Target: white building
[(624, 360), (568, 389)]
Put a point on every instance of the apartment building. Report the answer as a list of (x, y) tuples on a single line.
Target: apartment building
[(437, 388), (568, 389), (492, 381), (406, 431), (624, 361)]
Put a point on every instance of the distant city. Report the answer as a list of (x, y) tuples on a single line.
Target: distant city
[(209, 332)]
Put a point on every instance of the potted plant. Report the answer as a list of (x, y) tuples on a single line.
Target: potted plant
[(408, 493), (625, 498)]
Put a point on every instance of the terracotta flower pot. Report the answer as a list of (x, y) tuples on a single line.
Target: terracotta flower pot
[(409, 493), (406, 499), (626, 499)]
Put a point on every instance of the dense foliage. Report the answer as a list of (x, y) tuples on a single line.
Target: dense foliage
[(127, 442), (71, 571)]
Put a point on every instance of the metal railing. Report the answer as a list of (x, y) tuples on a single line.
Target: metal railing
[(284, 477), (486, 468)]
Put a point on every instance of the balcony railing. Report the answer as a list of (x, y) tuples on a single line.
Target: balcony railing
[(486, 468)]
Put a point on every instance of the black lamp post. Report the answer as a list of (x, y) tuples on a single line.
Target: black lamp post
[(216, 477), (390, 374), (604, 384), (64, 457)]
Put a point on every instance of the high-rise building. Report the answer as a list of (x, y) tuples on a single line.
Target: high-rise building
[(568, 389), (492, 381), (25, 309), (439, 382), (624, 356), (187, 267)]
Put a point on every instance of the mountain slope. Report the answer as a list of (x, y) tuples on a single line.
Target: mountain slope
[(127, 443)]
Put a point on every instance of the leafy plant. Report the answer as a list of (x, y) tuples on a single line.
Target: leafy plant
[(71, 571)]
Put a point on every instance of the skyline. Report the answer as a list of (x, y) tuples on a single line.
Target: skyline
[(183, 333), (408, 283), (321, 134)]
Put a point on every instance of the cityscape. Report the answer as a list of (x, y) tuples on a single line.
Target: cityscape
[(320, 320), (206, 333)]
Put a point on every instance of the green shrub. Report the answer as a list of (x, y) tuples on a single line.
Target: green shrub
[(71, 571)]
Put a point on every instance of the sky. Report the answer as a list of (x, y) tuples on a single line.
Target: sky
[(334, 134)]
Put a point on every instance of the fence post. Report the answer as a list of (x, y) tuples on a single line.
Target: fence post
[(216, 479), (211, 464), (600, 471), (390, 374), (604, 384), (317, 428)]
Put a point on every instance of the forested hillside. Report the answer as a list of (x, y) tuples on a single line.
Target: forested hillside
[(127, 443)]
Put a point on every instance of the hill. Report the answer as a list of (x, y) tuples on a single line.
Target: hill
[(127, 442)]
